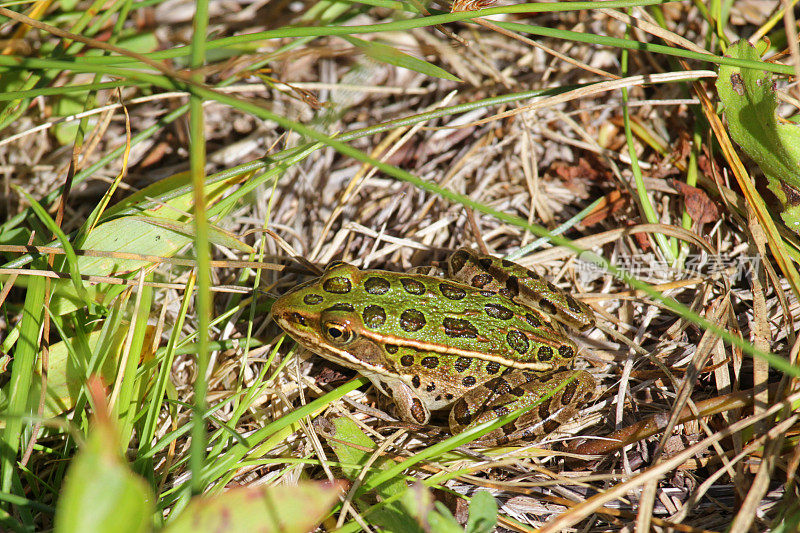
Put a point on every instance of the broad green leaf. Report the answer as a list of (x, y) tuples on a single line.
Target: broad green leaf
[(100, 494), (749, 99), (392, 56), (154, 221), (66, 374), (279, 508)]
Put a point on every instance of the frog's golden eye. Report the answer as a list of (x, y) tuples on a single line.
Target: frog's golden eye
[(337, 333)]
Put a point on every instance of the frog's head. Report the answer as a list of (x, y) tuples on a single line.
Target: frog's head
[(321, 316)]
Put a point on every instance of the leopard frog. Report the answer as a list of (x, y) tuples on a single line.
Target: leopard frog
[(483, 342)]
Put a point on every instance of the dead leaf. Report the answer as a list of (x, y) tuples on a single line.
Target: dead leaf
[(700, 207), (611, 203)]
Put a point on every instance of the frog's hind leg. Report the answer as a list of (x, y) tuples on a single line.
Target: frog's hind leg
[(517, 389)]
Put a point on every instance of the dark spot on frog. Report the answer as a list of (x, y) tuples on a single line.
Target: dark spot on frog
[(392, 348), (413, 286), (452, 292), (518, 341), (337, 285), (485, 262), (376, 285), (506, 263), (418, 411), (545, 353), (501, 410), (499, 386), (448, 396), (544, 409), (533, 320), (469, 381), (312, 299), (459, 328), (407, 360), (547, 306), (430, 362), (550, 426), (374, 316), (512, 287), (462, 363), (412, 320), (507, 430), (566, 351), (415, 381), (458, 260), (431, 387), (492, 367), (569, 392), (481, 280), (341, 307), (498, 311), (573, 305)]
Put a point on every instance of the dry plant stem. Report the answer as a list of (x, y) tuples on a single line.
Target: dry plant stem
[(405, 133), (761, 331), (158, 259), (580, 64), (584, 509), (747, 512), (654, 29), (790, 23), (608, 511), (656, 423), (596, 88), (752, 447), (704, 347)]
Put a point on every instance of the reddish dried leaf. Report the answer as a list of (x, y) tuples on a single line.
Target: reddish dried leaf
[(640, 238), (700, 207), (577, 178), (611, 203)]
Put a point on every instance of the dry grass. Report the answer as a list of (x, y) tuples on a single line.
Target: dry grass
[(701, 449)]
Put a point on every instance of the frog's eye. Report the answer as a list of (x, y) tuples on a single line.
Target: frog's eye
[(337, 333)]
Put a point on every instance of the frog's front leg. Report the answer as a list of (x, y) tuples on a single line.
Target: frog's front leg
[(517, 389), (409, 406)]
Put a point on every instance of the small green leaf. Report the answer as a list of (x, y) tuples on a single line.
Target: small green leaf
[(392, 56), (280, 508), (349, 443), (66, 372), (482, 513), (100, 493), (749, 99)]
